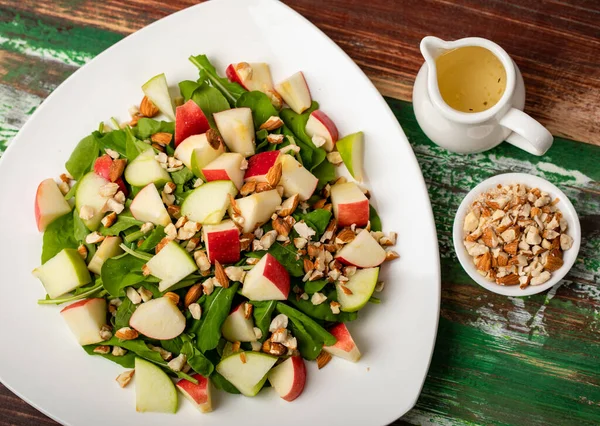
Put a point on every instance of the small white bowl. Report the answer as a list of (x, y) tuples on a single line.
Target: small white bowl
[(565, 206)]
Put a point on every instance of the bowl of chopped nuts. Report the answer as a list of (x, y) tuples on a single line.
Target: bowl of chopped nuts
[(516, 234)]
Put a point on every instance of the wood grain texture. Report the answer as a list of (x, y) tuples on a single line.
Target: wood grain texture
[(497, 360)]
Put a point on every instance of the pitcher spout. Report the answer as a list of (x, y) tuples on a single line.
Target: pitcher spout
[(432, 48)]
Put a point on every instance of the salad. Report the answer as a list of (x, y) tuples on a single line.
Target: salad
[(220, 245)]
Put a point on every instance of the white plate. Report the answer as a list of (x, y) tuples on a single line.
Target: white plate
[(41, 361), (564, 205)]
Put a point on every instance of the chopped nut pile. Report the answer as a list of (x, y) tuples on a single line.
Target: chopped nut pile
[(516, 235)]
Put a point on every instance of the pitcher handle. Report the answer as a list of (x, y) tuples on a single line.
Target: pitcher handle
[(527, 133)]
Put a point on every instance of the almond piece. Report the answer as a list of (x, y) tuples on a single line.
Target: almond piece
[(174, 297), (248, 188), (511, 248), (193, 294), (308, 266), (281, 226), (489, 238), (553, 263), (346, 290), (273, 123), (220, 275), (117, 167), (484, 262), (510, 279), (123, 379), (289, 206), (126, 333), (147, 108), (262, 187), (162, 138), (323, 359), (345, 236), (273, 348), (274, 175)]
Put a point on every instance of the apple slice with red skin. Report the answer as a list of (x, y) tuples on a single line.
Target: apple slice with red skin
[(158, 319), (319, 124), (259, 165), (222, 242), (256, 209), (102, 168), (363, 251), (288, 378), (189, 120), (198, 147), (85, 319), (295, 92), (268, 280), (345, 346), (198, 394), (350, 205), (238, 328), (259, 79), (227, 166), (50, 204)]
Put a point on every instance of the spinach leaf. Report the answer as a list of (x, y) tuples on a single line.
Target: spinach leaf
[(80, 231), (120, 272), (196, 359), (173, 345), (83, 157), (307, 345), (127, 360), (323, 311), (209, 99), (284, 255), (231, 91), (59, 235), (222, 383), (137, 346), (260, 104), (325, 172), (124, 312), (152, 239), (182, 176), (216, 308), (318, 332), (317, 220), (375, 220), (134, 147), (146, 127), (297, 122), (312, 287), (263, 311), (124, 221), (115, 140)]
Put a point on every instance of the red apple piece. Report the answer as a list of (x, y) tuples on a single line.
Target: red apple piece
[(227, 166), (259, 165), (238, 328), (189, 120), (102, 168), (85, 319), (268, 280), (251, 76), (288, 378), (345, 346), (363, 251), (350, 205), (198, 394), (158, 319), (50, 204), (319, 124), (222, 242)]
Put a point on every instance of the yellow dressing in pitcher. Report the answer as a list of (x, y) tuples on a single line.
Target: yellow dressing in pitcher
[(471, 79)]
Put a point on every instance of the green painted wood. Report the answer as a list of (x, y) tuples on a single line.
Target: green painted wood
[(497, 360)]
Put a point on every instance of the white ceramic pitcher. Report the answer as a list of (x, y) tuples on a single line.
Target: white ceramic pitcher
[(475, 132)]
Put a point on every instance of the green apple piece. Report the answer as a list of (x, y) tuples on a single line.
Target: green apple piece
[(144, 169), (171, 265), (88, 194), (110, 247), (197, 146), (157, 90), (352, 150), (207, 203), (63, 273), (250, 376), (362, 284), (154, 390)]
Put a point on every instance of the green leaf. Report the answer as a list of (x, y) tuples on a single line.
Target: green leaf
[(127, 360), (375, 220), (146, 127), (374, 300), (318, 332), (222, 383), (80, 231), (284, 255), (172, 345), (124, 221), (152, 239), (115, 140), (317, 220), (59, 235), (309, 348), (120, 272), (134, 146), (83, 157), (295, 126), (262, 312), (312, 287), (260, 104), (182, 176), (325, 172), (231, 91), (322, 312), (209, 99), (139, 347), (196, 359), (124, 312), (215, 310)]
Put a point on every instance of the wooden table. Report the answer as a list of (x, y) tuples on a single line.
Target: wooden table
[(498, 360)]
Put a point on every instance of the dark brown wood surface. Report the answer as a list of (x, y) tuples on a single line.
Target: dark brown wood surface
[(555, 43)]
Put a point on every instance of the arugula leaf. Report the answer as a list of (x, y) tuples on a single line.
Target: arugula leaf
[(83, 157), (146, 127), (263, 311), (120, 272), (124, 221), (127, 360), (325, 172), (59, 235), (216, 308), (312, 287), (231, 91), (124, 312), (323, 311), (375, 219), (317, 220), (309, 348), (115, 140), (182, 176), (209, 99), (80, 231), (318, 332), (139, 347), (196, 359), (285, 256), (134, 147), (260, 104), (172, 345), (152, 239)]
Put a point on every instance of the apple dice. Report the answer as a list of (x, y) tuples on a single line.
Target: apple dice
[(147, 206), (158, 319), (251, 76), (157, 90), (352, 150), (296, 179), (171, 265), (238, 328), (237, 129), (288, 378), (295, 92), (85, 319), (363, 251), (198, 394), (144, 169), (247, 371), (189, 120), (63, 273), (256, 209), (154, 390), (88, 194), (103, 166), (227, 166), (345, 346), (361, 284), (259, 165), (110, 247), (195, 152), (268, 280), (50, 204), (319, 124), (350, 205), (222, 242), (207, 204)]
